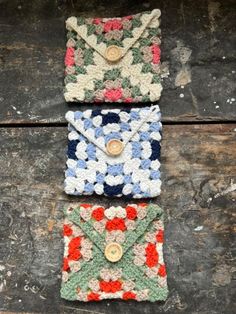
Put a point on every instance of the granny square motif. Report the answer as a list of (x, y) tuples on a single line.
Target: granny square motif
[(114, 253), (114, 152), (113, 59)]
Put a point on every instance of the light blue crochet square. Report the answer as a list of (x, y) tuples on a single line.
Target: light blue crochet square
[(91, 168)]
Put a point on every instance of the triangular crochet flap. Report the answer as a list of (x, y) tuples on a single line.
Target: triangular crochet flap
[(90, 123), (83, 217), (116, 33)]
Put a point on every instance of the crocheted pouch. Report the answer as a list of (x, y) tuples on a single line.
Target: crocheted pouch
[(113, 60), (114, 253), (114, 152)]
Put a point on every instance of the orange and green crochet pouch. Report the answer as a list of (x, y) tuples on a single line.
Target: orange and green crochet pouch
[(114, 253)]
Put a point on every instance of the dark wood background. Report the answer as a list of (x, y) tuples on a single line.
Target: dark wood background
[(198, 156)]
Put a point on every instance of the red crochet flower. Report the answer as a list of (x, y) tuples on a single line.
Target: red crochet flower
[(162, 271), (128, 17), (98, 213), (151, 255), (116, 224), (86, 205), (67, 231), (128, 100), (66, 266), (156, 51), (129, 295), (74, 255), (160, 236), (131, 212), (97, 21), (113, 94), (112, 25), (73, 250), (110, 286), (107, 26), (142, 204), (75, 242), (116, 24), (69, 57), (92, 296)]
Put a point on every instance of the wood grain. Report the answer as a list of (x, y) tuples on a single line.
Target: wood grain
[(198, 198), (198, 43), (198, 160)]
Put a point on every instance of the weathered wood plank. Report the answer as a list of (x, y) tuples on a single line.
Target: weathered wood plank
[(198, 198), (198, 42)]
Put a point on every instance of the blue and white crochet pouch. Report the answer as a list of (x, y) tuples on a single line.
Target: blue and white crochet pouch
[(114, 152)]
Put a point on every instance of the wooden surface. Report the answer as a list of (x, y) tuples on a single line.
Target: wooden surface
[(199, 39), (198, 156)]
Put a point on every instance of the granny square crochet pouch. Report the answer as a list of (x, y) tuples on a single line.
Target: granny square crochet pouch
[(113, 59), (114, 253), (114, 152)]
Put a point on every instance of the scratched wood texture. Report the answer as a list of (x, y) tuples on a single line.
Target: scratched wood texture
[(198, 198), (198, 160), (199, 39)]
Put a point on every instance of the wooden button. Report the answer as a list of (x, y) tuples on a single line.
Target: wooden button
[(114, 147), (113, 53), (113, 252)]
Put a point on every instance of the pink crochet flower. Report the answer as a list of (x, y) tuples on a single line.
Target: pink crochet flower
[(128, 17), (129, 99), (69, 57), (112, 25), (97, 21), (156, 53), (113, 94)]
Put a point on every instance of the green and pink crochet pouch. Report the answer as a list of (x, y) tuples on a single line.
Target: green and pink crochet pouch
[(113, 59)]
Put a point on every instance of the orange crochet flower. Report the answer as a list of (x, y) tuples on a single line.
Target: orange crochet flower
[(65, 264), (86, 205), (110, 286), (92, 296), (116, 224), (129, 295), (151, 255), (75, 242), (131, 212), (74, 255), (160, 236), (142, 204), (98, 213), (162, 271), (74, 252), (67, 231)]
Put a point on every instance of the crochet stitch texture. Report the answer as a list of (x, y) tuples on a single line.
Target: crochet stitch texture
[(134, 173), (135, 77), (140, 273)]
